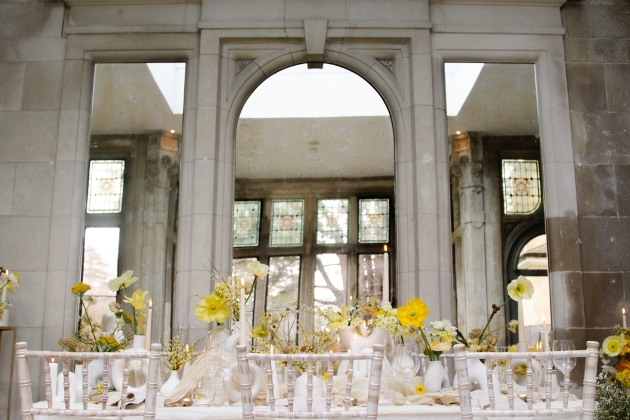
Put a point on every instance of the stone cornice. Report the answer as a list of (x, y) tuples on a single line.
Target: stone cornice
[(554, 3), (124, 2)]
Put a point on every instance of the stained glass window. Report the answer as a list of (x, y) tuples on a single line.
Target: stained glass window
[(332, 221), (521, 186), (287, 222), (246, 223), (370, 274), (331, 280), (105, 190), (374, 221)]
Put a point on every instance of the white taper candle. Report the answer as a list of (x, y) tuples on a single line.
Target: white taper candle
[(147, 332)]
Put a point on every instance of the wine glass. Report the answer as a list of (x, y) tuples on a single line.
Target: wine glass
[(391, 365), (407, 363), (204, 391), (563, 364)]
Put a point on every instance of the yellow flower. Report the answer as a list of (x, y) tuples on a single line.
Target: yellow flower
[(109, 343), (212, 308), (137, 299), (420, 389), (260, 331), (624, 377), (521, 288), (413, 313), (325, 377), (125, 280), (520, 370), (612, 345), (336, 321), (258, 269), (80, 288)]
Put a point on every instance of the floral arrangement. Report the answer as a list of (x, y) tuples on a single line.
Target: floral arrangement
[(438, 338), (89, 338), (482, 340), (358, 315), (611, 395), (279, 330), (618, 346), (8, 282), (224, 302), (177, 352), (138, 319)]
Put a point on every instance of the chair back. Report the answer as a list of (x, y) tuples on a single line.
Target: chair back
[(374, 383), (545, 359), (23, 357)]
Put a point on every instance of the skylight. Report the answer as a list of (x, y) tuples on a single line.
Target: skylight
[(298, 92), (459, 80), (170, 79)]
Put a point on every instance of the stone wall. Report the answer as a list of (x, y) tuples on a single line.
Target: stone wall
[(32, 53), (597, 50)]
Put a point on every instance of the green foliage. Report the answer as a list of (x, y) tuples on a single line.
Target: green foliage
[(611, 400)]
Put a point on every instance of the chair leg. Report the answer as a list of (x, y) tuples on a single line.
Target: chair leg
[(24, 381)]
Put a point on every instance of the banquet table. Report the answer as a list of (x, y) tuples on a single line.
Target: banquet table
[(234, 412)]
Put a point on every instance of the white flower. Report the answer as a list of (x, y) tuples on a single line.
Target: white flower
[(258, 269), (521, 288), (125, 280)]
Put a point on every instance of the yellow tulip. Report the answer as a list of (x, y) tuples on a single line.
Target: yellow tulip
[(137, 299)]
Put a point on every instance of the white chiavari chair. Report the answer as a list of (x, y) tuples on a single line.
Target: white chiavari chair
[(588, 393), (374, 384), (24, 356)]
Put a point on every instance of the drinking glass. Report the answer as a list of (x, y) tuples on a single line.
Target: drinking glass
[(407, 363), (563, 364), (390, 363), (204, 391)]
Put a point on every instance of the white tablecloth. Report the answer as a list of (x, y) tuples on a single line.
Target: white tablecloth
[(235, 412)]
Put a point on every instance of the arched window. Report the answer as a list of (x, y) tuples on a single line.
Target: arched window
[(528, 257)]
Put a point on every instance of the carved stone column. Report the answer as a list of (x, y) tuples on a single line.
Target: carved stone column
[(466, 163), (162, 166)]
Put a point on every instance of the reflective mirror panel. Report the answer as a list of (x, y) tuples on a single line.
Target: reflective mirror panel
[(532, 260), (496, 191), (133, 183), (316, 148)]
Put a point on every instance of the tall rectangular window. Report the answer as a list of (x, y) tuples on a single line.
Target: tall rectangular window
[(246, 223), (521, 186), (105, 189), (287, 222), (374, 221), (332, 221)]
